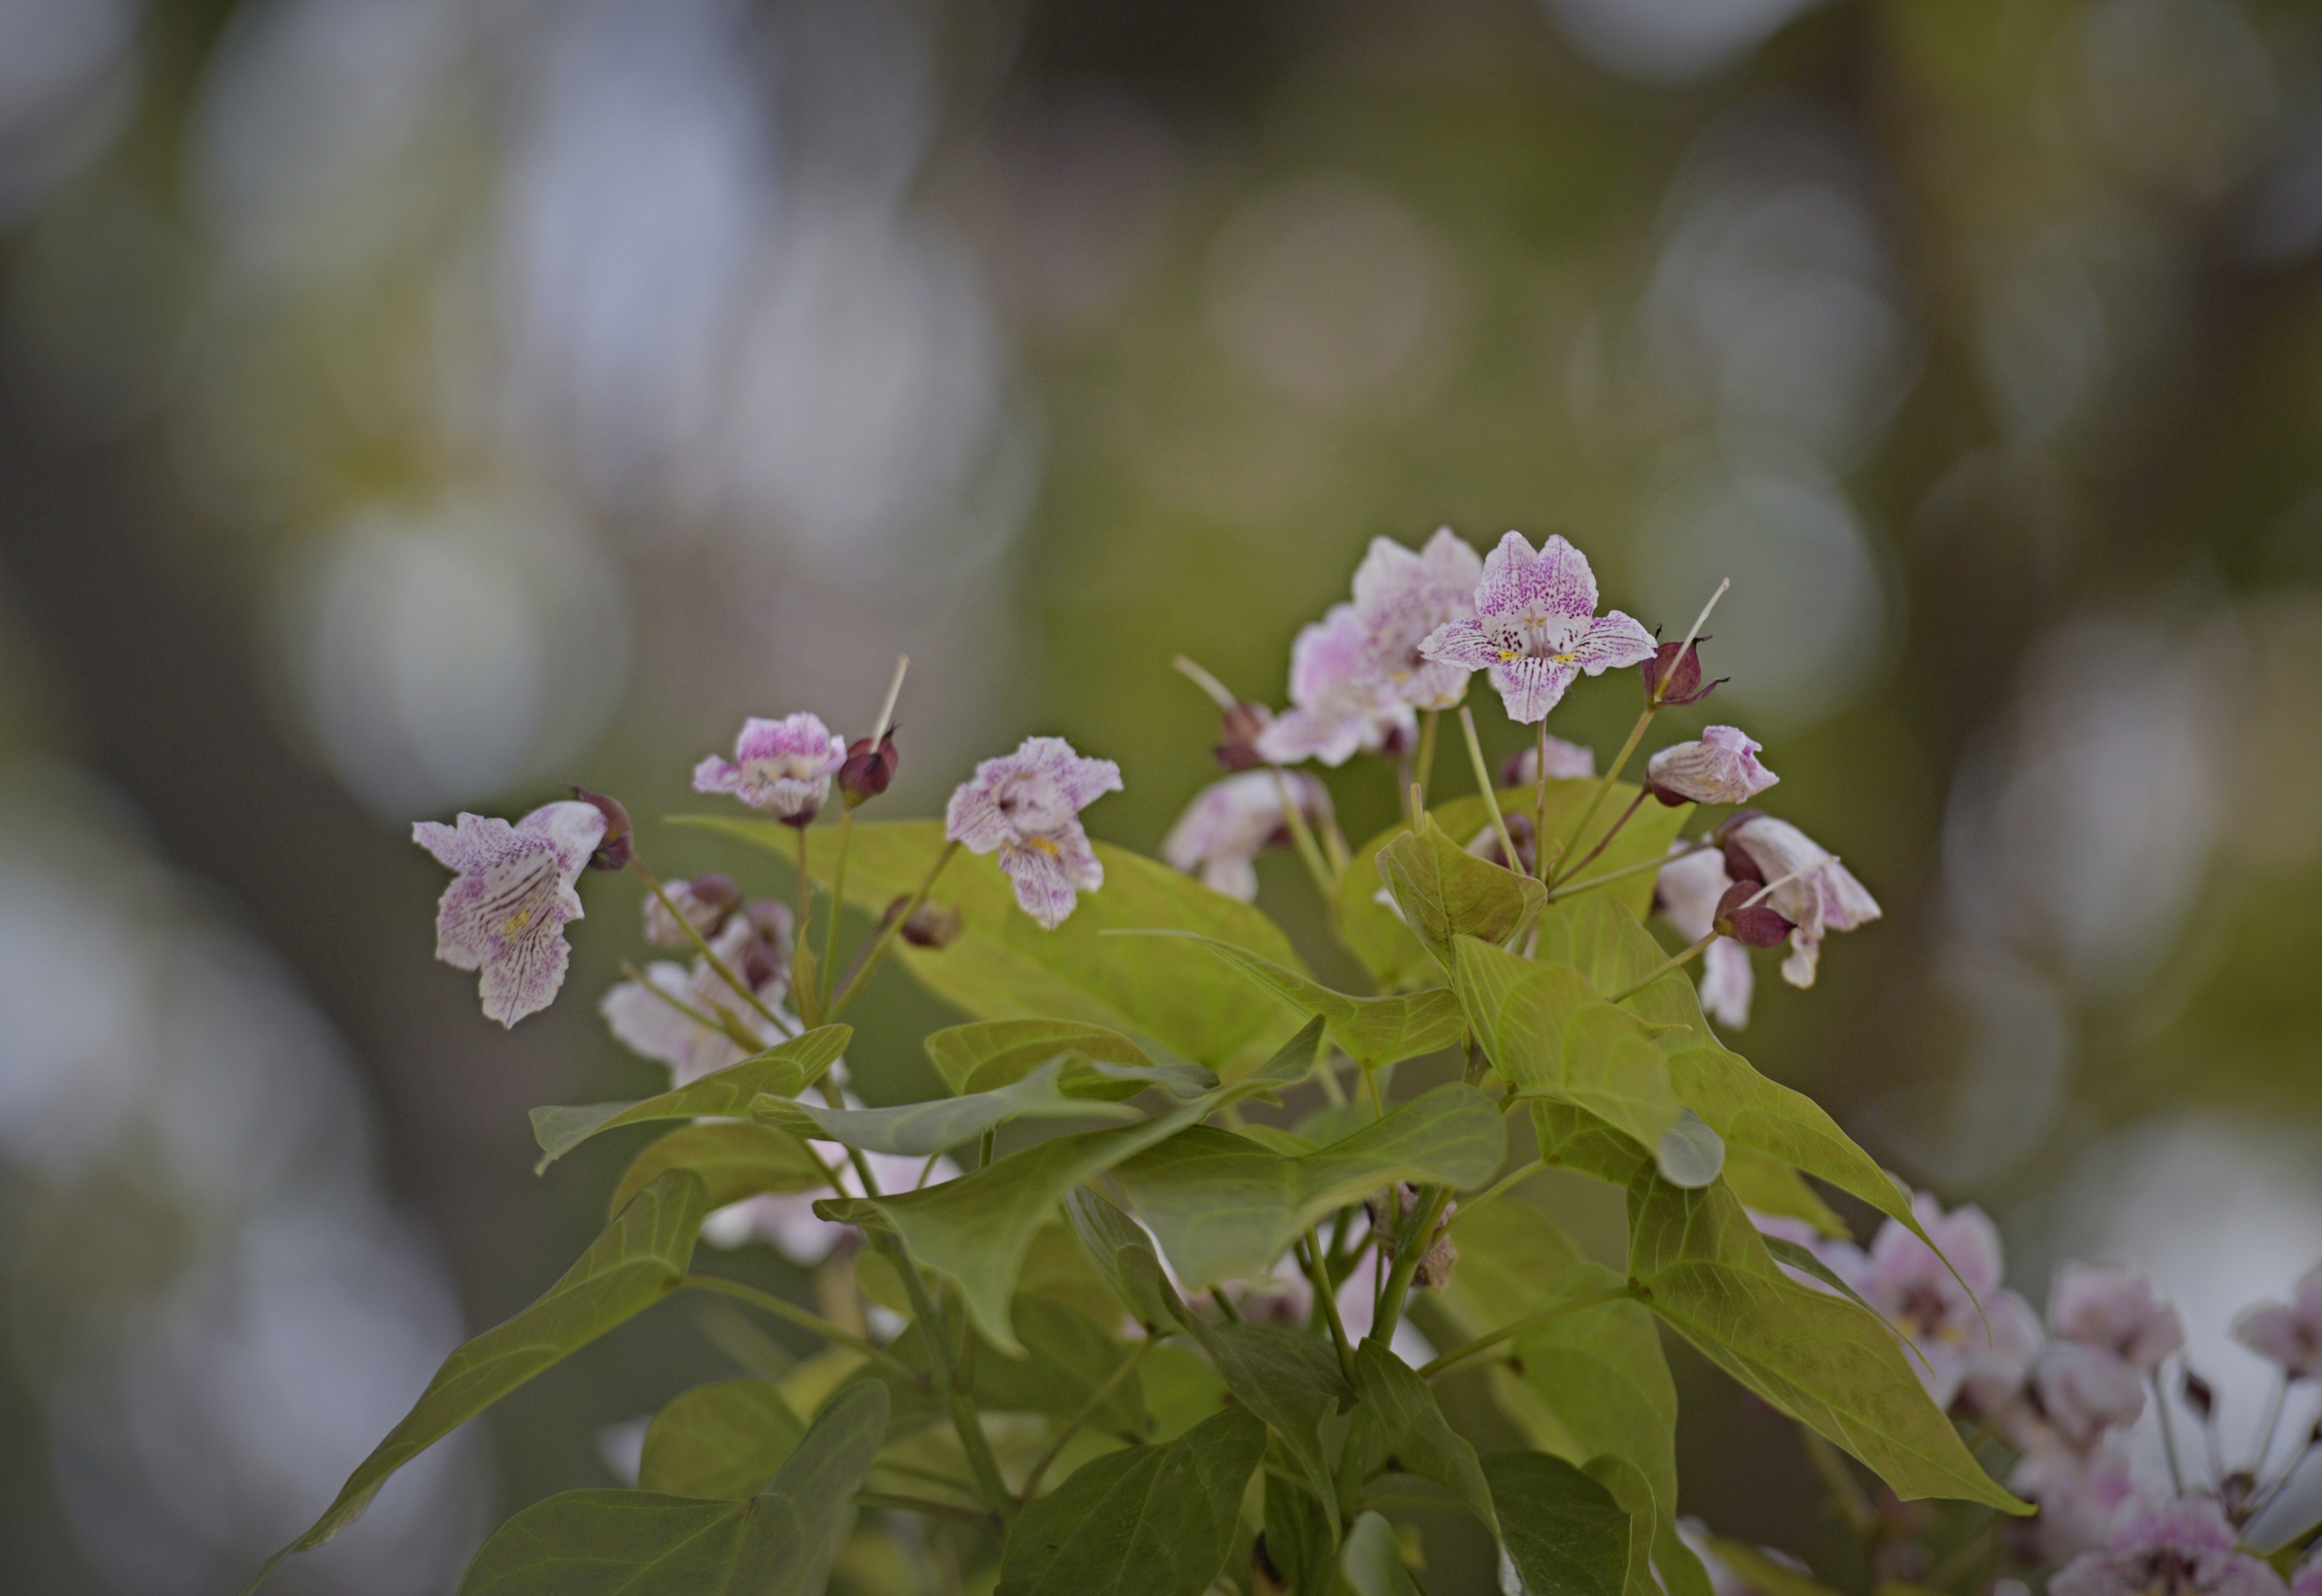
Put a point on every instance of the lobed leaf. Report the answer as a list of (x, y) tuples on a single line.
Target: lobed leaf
[(1100, 1064), (722, 1441), (1819, 1358), (1411, 1433), (1446, 892), (1224, 1207), (1291, 1381), (637, 1260), (1146, 1521), (1370, 1562), (734, 1159), (916, 1130), (1125, 1257), (614, 1542), (728, 1093), (1004, 966), (1561, 1533)]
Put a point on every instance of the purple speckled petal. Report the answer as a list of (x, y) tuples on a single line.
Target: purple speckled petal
[(1046, 881), (1401, 598), (1460, 645), (573, 829), (716, 775), (1612, 640), (1555, 581), (1529, 687)]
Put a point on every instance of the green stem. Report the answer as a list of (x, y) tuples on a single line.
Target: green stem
[(1541, 857), (1429, 725), (867, 964), (1484, 785), (807, 997), (1411, 1246), (1122, 1371), (1605, 841), (717, 966), (1596, 798), (965, 1418), (1664, 967), (781, 1309), (2168, 1432), (1310, 1259), (987, 1522), (1467, 1208), (829, 971), (1303, 835), (1567, 890), (1530, 1322), (723, 1024)]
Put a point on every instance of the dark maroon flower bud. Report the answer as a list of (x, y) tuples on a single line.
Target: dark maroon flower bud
[(1396, 742), (1238, 732), (767, 957), (1754, 924), (612, 853), (931, 925), (1685, 684), (868, 770), (2199, 1396), (1739, 865), (1485, 845)]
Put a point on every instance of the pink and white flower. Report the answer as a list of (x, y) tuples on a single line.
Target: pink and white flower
[(1341, 705), (1231, 822), (2084, 1391), (1401, 597), (2116, 1308), (506, 914), (1027, 806), (2184, 1547), (1536, 627), (1903, 1280), (1721, 768), (1687, 893), (1567, 761), (755, 947), (704, 903), (2307, 1579), (783, 767), (2079, 1495), (787, 1219), (1820, 896), (2289, 1335)]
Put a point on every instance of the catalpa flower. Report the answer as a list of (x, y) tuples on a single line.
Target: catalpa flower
[(646, 1017), (2288, 1336), (1721, 768), (1536, 627), (506, 914), (783, 767), (1819, 895), (2184, 1547), (1401, 598), (1027, 806), (704, 903), (1341, 705), (1231, 822), (1686, 892), (2117, 1309), (1901, 1279), (2079, 1495)]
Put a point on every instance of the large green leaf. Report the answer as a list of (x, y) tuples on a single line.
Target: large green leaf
[(1298, 1542), (975, 1230), (637, 1260), (1563, 1532), (1509, 1251), (1125, 1257), (1224, 1207), (1446, 892), (915, 1130), (1100, 1064), (624, 1543), (734, 1158), (1600, 1369), (1370, 1562), (1070, 1360), (1004, 966), (1375, 1031), (1292, 1382), (723, 1094), (1630, 1489), (1547, 1032), (722, 1441), (1146, 1521), (1395, 956), (1827, 1363), (1411, 1433)]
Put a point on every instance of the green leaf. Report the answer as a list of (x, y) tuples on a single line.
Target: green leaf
[(1224, 1207), (1292, 1382), (915, 1130), (1411, 1433), (1767, 1185), (1298, 1543), (1563, 1533), (1446, 892), (1601, 1370), (1547, 1032), (1004, 966), (1790, 1255), (722, 1441), (1764, 1574), (1393, 955), (1371, 1561), (1506, 1249), (723, 1094), (1125, 1257), (1069, 1358), (617, 1543), (637, 1260), (1825, 1361), (1571, 1137), (734, 1158), (1100, 1064), (1146, 1521), (1059, 1269), (975, 1230), (1374, 1031), (1634, 1494)]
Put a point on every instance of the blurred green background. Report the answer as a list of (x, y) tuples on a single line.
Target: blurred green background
[(408, 404)]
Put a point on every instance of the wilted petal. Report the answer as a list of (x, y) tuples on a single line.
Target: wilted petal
[(1726, 982), (1720, 768)]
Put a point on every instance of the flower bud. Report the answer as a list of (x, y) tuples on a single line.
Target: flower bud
[(704, 903), (767, 956), (931, 925), (1721, 768), (1755, 924), (1684, 685), (612, 853), (1237, 733), (1435, 1265), (868, 769)]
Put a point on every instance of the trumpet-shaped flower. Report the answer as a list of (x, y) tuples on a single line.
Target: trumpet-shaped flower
[(783, 767), (1027, 806), (1901, 1277), (651, 1017), (1340, 703), (2290, 1335), (505, 915), (1536, 626), (1401, 597), (2105, 1306), (1686, 892), (2183, 1547), (1721, 768), (1231, 822), (1819, 895)]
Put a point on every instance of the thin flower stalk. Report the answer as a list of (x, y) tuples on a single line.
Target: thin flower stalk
[(1523, 1326), (1595, 798), (1484, 785), (1593, 882), (721, 1020), (867, 962), (1429, 727), (709, 955), (838, 901), (1504, 1183), (986, 1522), (1679, 961), (1325, 881)]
